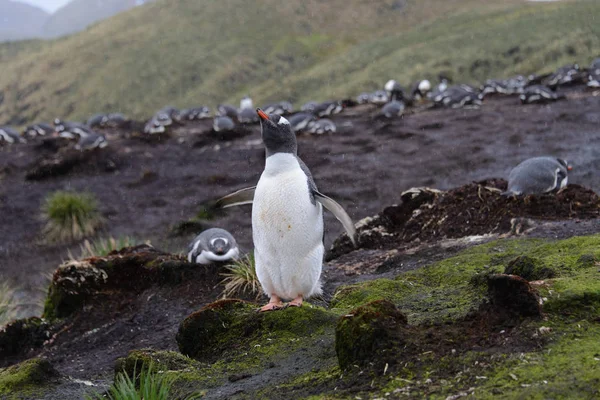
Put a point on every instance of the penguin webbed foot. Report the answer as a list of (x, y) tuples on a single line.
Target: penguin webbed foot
[(297, 302), (273, 305)]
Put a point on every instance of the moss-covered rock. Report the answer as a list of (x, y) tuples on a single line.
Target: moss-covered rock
[(22, 335), (229, 325), (136, 360), (513, 295), (372, 333), (130, 269), (529, 268), (27, 379)]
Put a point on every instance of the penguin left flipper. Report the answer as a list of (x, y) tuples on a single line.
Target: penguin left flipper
[(336, 209), (238, 198)]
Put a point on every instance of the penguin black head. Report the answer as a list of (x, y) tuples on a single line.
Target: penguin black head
[(277, 134), (219, 246), (565, 164)]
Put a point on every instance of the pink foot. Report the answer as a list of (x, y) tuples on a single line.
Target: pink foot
[(274, 304), (297, 302)]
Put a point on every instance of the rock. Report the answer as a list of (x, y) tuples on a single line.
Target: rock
[(22, 335), (230, 325), (369, 334), (25, 380), (529, 268), (513, 295), (131, 269), (136, 360)]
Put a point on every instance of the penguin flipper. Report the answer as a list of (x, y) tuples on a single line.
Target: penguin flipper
[(336, 209), (239, 198)]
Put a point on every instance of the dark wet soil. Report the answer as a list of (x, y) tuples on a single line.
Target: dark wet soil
[(146, 187)]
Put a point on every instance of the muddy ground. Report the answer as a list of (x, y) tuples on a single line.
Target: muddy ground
[(145, 188)]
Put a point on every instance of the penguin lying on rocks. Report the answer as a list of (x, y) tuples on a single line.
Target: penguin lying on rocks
[(39, 129), (9, 135), (539, 94), (213, 245), (287, 219), (538, 175)]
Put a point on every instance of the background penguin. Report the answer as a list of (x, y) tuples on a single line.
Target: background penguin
[(328, 108), (226, 110), (223, 124), (564, 75), (594, 74), (322, 126), (280, 108), (90, 142), (213, 245), (39, 129), (539, 94), (420, 90), (97, 121), (246, 113), (301, 121), (287, 219), (9, 135), (379, 97), (195, 114), (309, 107), (393, 109), (458, 96), (538, 175), (394, 90), (363, 98), (116, 120)]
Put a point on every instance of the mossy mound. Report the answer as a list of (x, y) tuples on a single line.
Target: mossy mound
[(136, 360), (529, 268), (21, 335), (513, 295), (227, 326), (27, 379), (130, 269), (374, 332)]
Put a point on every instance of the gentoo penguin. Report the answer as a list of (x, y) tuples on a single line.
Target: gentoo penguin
[(223, 124), (90, 142), (379, 97), (287, 219), (39, 129), (514, 85), (195, 114), (226, 110), (322, 126), (280, 108), (539, 94), (116, 120), (154, 126), (213, 245), (458, 96), (97, 121), (563, 76), (420, 90), (363, 98), (309, 107), (538, 175), (594, 74), (72, 130), (9, 135), (328, 108), (393, 109), (301, 121), (246, 113), (394, 90)]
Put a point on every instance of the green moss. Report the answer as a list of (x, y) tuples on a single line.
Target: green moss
[(529, 268), (27, 378)]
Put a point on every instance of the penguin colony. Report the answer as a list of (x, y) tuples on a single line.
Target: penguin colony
[(287, 206)]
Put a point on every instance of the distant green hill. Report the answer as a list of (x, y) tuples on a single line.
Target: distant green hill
[(189, 52)]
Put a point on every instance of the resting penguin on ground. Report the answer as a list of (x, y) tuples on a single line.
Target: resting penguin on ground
[(309, 107), (393, 109), (328, 108), (213, 245), (539, 94), (246, 113), (91, 142), (379, 97), (420, 90), (40, 129), (594, 74), (195, 114), (538, 175), (9, 135), (281, 108), (287, 219), (301, 121), (322, 126), (563, 76), (226, 110), (363, 98), (223, 124)]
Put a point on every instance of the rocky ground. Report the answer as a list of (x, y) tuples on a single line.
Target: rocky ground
[(430, 304)]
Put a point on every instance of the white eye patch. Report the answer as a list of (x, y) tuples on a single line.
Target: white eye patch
[(212, 242), (283, 121)]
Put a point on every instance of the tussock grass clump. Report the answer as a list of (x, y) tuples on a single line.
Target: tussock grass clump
[(241, 277), (153, 385), (70, 216), (103, 247), (8, 307)]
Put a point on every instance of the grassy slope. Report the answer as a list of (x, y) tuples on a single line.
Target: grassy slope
[(205, 53)]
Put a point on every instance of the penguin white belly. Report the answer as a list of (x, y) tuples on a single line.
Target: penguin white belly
[(287, 229)]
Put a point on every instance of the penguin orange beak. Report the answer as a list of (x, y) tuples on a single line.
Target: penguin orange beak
[(569, 168), (262, 114)]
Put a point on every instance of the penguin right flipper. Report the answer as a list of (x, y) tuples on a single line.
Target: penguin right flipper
[(339, 212), (239, 198)]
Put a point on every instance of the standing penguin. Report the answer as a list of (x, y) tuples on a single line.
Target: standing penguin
[(287, 219), (538, 175)]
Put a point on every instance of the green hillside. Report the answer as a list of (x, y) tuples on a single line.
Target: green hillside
[(188, 52)]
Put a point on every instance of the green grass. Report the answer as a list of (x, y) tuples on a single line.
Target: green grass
[(241, 278), (188, 52), (152, 385), (8, 307), (70, 216)]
